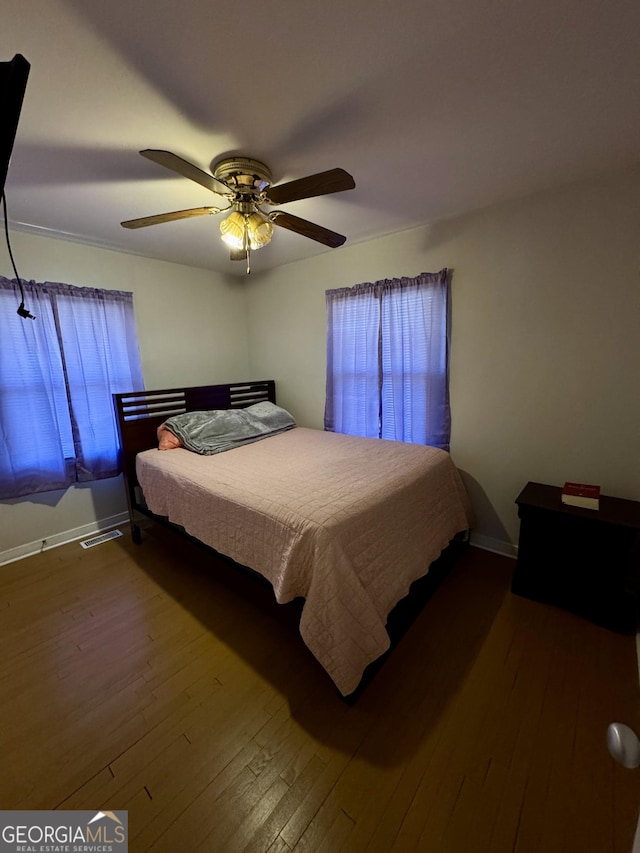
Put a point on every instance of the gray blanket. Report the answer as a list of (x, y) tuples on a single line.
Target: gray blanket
[(222, 429)]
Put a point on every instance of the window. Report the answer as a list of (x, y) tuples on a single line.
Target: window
[(57, 376), (388, 360)]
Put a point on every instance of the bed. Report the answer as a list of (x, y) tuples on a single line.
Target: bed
[(344, 524)]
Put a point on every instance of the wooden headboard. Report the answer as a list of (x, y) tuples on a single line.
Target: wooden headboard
[(140, 413)]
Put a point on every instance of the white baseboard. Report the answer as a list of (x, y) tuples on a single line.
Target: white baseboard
[(57, 539), (495, 545), (487, 543)]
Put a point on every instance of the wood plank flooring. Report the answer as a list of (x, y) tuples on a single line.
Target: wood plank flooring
[(159, 679)]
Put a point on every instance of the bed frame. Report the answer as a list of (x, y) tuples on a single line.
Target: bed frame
[(140, 413)]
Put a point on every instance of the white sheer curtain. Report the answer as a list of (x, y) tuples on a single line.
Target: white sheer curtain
[(352, 361), (57, 376), (388, 360)]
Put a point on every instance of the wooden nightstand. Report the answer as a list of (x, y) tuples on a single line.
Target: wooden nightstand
[(586, 561)]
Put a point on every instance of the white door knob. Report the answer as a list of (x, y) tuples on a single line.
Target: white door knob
[(624, 745)]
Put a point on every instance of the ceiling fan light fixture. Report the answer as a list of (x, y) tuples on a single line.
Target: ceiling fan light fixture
[(243, 230), (260, 231), (232, 230)]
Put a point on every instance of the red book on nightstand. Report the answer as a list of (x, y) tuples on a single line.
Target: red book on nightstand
[(581, 494)]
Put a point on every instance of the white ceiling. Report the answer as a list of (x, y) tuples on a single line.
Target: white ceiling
[(435, 108)]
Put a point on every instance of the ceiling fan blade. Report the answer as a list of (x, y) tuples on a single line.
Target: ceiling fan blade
[(238, 254), (331, 181), (168, 217), (307, 229), (186, 169)]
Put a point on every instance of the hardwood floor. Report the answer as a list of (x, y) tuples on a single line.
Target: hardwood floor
[(158, 679)]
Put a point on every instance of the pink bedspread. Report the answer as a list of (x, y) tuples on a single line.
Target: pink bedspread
[(347, 523)]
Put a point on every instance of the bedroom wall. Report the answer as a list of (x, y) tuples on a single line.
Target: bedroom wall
[(545, 344), (191, 330)]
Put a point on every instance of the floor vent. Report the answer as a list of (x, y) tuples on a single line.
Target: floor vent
[(98, 540)]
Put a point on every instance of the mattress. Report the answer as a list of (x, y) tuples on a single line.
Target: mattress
[(346, 523)]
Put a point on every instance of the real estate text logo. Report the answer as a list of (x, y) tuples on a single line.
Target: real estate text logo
[(64, 832)]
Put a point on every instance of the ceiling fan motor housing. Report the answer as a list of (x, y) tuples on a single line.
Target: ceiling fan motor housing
[(244, 174)]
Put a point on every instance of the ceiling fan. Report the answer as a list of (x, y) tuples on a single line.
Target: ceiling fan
[(245, 184)]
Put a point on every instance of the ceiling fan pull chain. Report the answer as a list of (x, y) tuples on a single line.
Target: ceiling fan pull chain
[(247, 243)]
